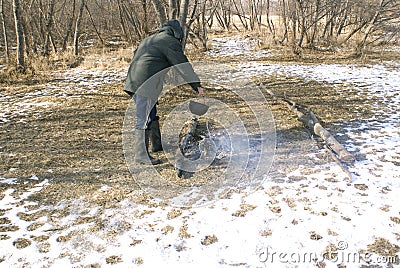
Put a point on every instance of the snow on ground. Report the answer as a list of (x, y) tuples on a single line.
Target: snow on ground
[(236, 46), (287, 223), (65, 84), (379, 134)]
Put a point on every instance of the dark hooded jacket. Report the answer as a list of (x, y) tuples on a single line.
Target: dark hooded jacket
[(153, 58)]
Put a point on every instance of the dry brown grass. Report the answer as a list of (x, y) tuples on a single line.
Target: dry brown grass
[(108, 58), (40, 68)]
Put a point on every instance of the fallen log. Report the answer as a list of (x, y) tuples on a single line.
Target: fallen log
[(333, 144), (308, 118)]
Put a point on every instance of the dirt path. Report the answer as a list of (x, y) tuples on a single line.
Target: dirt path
[(67, 197)]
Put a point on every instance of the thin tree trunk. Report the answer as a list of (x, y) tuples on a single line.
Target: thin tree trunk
[(132, 18), (301, 23), (328, 24), (210, 20), (353, 32), (183, 13), (121, 21), (69, 28), (268, 19), (240, 15), (20, 36), (53, 43), (294, 18), (4, 26), (173, 9), (27, 39), (343, 19), (361, 45), (77, 28), (192, 18), (48, 26), (260, 13), (162, 17), (203, 26), (94, 25), (285, 22), (145, 17), (315, 21), (220, 20), (251, 15), (35, 39), (225, 15)]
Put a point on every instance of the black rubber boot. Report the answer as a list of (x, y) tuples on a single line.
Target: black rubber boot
[(156, 145), (142, 156)]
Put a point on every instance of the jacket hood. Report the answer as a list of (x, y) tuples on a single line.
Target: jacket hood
[(174, 27)]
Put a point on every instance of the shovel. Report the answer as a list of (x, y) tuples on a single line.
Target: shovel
[(197, 108)]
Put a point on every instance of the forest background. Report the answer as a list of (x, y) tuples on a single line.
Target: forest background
[(42, 34)]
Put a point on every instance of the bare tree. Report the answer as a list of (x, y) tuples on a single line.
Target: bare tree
[(121, 19), (48, 27), (201, 32), (270, 23), (77, 28), (68, 32), (5, 35), (240, 12), (183, 13), (94, 25), (173, 9), (255, 10), (132, 17), (160, 10), (285, 18), (19, 36), (145, 17), (224, 14), (343, 11), (187, 20), (374, 21)]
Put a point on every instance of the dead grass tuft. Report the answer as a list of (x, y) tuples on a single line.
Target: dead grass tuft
[(208, 240), (106, 58)]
